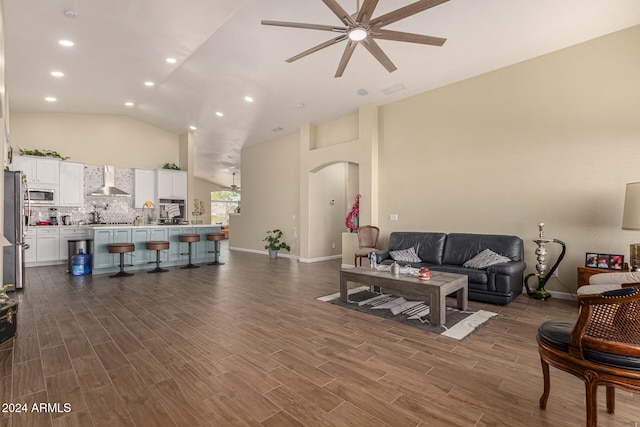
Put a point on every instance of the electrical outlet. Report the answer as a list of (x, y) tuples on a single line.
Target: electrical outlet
[(333, 245), (393, 217)]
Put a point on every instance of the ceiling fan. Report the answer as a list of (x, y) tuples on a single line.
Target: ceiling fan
[(233, 186), (362, 28)]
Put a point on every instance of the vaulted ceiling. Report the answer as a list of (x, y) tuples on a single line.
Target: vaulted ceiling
[(223, 54)]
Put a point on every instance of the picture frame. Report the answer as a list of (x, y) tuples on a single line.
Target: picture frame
[(604, 261)]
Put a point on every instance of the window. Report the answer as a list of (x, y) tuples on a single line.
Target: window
[(222, 204)]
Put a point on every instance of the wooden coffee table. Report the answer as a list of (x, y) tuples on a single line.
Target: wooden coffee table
[(436, 289)]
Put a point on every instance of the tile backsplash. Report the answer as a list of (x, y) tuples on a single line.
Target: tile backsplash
[(111, 209)]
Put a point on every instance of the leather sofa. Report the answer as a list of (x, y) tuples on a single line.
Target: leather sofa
[(497, 284)]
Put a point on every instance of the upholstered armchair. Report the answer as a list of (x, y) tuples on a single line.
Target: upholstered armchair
[(602, 347), (599, 283), (367, 242)]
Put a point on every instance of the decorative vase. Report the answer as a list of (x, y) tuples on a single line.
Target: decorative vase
[(273, 253)]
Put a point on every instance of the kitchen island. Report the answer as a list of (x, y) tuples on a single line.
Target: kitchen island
[(103, 235)]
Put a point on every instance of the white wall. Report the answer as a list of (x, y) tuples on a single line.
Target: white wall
[(270, 195), (552, 139), (97, 139), (328, 184)]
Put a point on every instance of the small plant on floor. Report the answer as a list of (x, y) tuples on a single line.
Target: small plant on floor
[(273, 241)]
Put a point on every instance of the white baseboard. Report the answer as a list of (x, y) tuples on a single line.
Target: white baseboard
[(326, 258), (262, 252)]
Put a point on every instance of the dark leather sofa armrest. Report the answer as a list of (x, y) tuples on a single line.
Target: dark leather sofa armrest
[(382, 256), (508, 268)]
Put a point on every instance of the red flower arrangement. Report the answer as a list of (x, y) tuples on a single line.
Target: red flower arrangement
[(352, 218)]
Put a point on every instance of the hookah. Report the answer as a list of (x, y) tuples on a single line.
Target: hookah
[(541, 267)]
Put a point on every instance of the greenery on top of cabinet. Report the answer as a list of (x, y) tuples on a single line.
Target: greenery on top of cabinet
[(171, 166), (42, 153)]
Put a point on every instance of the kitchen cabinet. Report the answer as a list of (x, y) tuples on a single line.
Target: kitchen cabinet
[(171, 184), (30, 239), (71, 184), (204, 248), (40, 172), (102, 238), (144, 181), (48, 244), (140, 237)]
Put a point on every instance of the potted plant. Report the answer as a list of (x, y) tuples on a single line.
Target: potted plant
[(3, 296), (274, 244)]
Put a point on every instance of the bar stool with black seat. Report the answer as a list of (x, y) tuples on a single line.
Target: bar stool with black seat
[(216, 238), (157, 245), (121, 248), (189, 238)]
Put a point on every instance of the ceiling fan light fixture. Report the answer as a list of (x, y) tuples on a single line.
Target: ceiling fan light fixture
[(357, 34)]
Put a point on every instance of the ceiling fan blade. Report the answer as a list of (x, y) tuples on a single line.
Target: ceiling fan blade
[(340, 12), (366, 11), (404, 12), (407, 37), (346, 56), (317, 48), (305, 26), (377, 53)]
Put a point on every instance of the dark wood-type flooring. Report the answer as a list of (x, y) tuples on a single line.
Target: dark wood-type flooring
[(246, 344)]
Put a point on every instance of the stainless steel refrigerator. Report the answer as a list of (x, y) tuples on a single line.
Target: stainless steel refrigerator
[(15, 217)]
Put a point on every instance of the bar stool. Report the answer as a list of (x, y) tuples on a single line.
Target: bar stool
[(157, 245), (189, 238), (216, 238), (121, 248)]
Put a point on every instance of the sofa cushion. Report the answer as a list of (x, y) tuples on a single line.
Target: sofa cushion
[(461, 247), (405, 255), (485, 259), (430, 245)]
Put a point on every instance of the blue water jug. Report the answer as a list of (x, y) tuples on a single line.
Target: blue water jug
[(80, 264)]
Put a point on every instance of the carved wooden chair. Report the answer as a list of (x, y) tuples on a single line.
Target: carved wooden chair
[(367, 242), (602, 348)]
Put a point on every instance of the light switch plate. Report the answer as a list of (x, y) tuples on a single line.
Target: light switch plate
[(393, 217)]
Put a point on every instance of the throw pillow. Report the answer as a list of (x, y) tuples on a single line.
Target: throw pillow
[(485, 259), (405, 255)]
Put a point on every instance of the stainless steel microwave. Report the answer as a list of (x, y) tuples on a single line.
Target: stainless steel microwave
[(41, 197)]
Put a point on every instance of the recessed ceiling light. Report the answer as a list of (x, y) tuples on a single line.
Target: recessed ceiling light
[(171, 60), (248, 99), (66, 43), (149, 84), (193, 127), (219, 113), (300, 106), (50, 99), (129, 104), (57, 74)]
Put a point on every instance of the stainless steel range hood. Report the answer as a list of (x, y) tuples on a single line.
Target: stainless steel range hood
[(109, 188)]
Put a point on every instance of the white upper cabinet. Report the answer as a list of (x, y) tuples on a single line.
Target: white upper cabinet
[(171, 184), (144, 181), (40, 172), (71, 184)]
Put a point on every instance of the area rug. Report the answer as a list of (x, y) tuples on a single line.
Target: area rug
[(411, 311)]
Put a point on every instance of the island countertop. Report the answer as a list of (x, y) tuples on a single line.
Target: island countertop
[(202, 251), (103, 226)]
